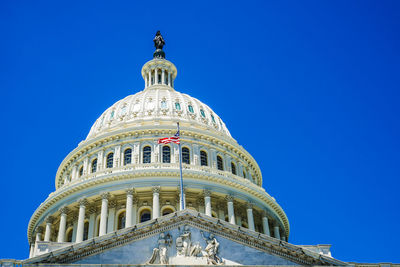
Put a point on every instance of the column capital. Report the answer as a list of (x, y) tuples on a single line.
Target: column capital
[(39, 230), (207, 192), (130, 191), (105, 195), (49, 219), (264, 213), (135, 200), (249, 205), (229, 198), (156, 189), (83, 202), (64, 210)]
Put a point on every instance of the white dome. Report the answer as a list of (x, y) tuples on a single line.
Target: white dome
[(158, 103)]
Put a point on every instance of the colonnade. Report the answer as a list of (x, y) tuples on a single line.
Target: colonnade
[(158, 76), (108, 212)]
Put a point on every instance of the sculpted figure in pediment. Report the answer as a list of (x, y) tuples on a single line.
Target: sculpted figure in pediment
[(164, 241)]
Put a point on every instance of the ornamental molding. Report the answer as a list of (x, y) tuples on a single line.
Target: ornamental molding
[(151, 173)]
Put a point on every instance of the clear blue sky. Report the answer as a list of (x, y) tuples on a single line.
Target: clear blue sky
[(309, 88)]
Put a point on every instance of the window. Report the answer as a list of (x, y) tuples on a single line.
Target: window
[(145, 216), (94, 165), (190, 108), (233, 167), (163, 104), (220, 163), (167, 211), (166, 154), (213, 119), (159, 78), (147, 154), (203, 158), (80, 171), (110, 159), (112, 114), (202, 113), (177, 106), (127, 156), (121, 220), (244, 174), (186, 155), (86, 231)]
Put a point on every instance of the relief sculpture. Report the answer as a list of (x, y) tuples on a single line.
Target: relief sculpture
[(164, 241)]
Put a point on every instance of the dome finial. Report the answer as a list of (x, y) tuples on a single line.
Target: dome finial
[(159, 42)]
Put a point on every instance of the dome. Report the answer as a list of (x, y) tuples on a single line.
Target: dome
[(157, 104)]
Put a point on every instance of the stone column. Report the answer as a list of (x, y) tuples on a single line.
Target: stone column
[(265, 223), (156, 202), (169, 78), (31, 250), (155, 76), (149, 77), (39, 233), (134, 210), (162, 76), (129, 203), (47, 233), (103, 215), (100, 160), (85, 166), (221, 211), (207, 202), (63, 224), (117, 156), (111, 216), (276, 232), (92, 221), (231, 212), (250, 218), (81, 220)]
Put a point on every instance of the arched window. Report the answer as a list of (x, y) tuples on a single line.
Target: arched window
[(147, 154), (121, 220), (110, 159), (190, 108), (220, 163), (127, 156), (233, 167), (86, 231), (177, 106), (80, 171), (166, 154), (69, 235), (167, 211), (145, 216), (186, 155), (94, 165), (203, 158)]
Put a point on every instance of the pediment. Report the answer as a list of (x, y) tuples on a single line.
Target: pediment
[(185, 238)]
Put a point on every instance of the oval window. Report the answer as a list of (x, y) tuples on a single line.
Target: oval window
[(202, 113), (177, 106), (190, 109)]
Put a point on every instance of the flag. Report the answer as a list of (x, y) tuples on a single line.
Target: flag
[(167, 140)]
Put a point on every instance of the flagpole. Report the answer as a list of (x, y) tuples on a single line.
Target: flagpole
[(180, 169)]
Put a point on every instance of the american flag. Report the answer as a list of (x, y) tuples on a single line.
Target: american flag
[(167, 140)]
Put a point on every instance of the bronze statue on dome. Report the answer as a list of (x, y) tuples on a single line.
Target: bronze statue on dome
[(159, 41)]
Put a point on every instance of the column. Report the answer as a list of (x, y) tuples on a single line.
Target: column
[(265, 223), (221, 211), (100, 160), (92, 221), (103, 215), (47, 233), (156, 202), (149, 77), (74, 173), (239, 219), (63, 224), (85, 166), (81, 220), (169, 78), (111, 216), (145, 80), (155, 76), (74, 227), (39, 233), (250, 218), (207, 202), (31, 250), (276, 232), (163, 76), (129, 204), (231, 212), (117, 156)]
